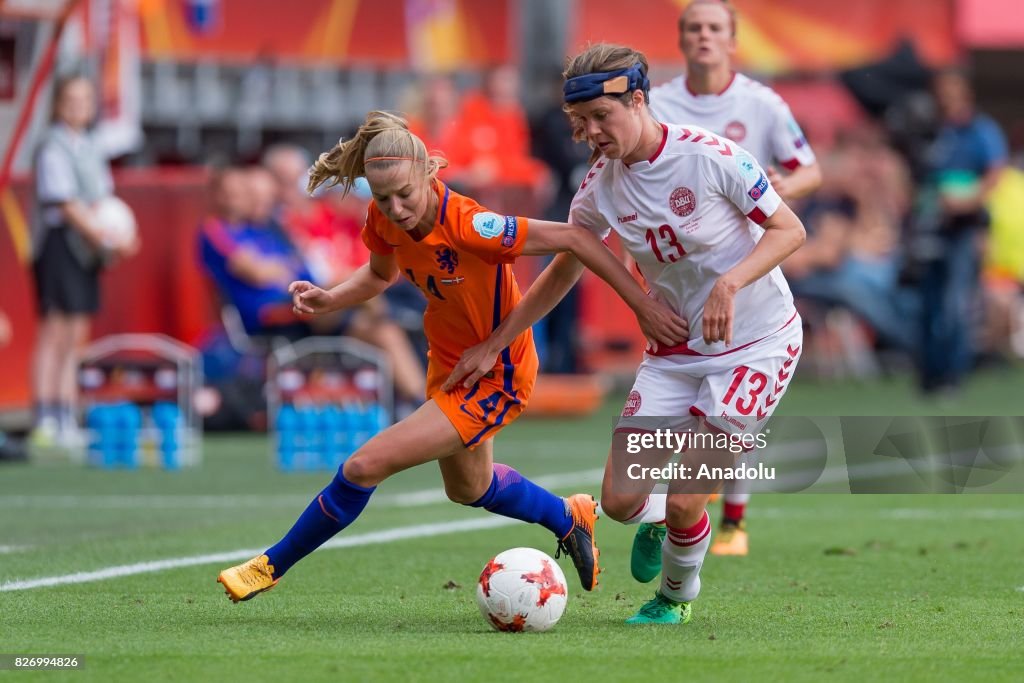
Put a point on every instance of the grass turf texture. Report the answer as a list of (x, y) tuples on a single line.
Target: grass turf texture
[(838, 587)]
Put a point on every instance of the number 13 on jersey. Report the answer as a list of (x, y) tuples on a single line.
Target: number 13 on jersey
[(666, 235)]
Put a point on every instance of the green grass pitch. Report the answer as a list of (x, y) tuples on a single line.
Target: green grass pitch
[(837, 587)]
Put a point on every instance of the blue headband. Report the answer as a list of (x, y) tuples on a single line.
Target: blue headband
[(590, 86)]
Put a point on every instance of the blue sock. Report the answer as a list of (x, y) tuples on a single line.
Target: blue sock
[(335, 508), (513, 495)]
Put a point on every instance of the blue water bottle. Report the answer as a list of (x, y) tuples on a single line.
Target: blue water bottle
[(332, 424), (131, 422), (167, 419), (382, 420), (101, 442), (363, 427), (310, 438), (287, 429)]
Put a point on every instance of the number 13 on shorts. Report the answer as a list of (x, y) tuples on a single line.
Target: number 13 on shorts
[(752, 390)]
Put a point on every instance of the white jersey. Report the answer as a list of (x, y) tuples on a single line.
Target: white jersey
[(746, 112), (684, 216)]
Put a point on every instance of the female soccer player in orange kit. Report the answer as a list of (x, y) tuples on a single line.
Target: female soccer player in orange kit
[(460, 255)]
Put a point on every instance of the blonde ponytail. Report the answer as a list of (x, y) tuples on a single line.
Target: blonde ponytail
[(383, 139)]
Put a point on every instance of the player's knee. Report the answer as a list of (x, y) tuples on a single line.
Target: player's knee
[(618, 507), (363, 470), (466, 490), (462, 493), (685, 508)]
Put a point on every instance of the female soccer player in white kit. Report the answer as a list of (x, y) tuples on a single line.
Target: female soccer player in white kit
[(711, 94), (680, 199)]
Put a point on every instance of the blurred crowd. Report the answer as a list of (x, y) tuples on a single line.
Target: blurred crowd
[(914, 257)]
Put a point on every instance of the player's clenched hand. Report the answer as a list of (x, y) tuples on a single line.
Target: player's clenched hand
[(661, 325), (308, 298), (718, 313), (476, 361), (779, 182)]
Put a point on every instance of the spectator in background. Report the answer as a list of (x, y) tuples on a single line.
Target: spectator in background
[(491, 152), (249, 256), (251, 259), (326, 233), (326, 229), (69, 251), (963, 166), (853, 258), (1003, 275), (434, 120)]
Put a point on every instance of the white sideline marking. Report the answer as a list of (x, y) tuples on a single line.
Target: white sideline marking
[(373, 538), (439, 529), (6, 549)]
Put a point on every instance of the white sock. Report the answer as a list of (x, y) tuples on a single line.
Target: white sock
[(653, 509), (682, 555)]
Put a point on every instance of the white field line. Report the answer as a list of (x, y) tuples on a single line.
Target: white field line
[(7, 549), (411, 499), (438, 529), (372, 538)]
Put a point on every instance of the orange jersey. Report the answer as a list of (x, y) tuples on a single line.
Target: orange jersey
[(463, 267)]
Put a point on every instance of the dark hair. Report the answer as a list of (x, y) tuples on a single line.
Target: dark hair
[(60, 85), (605, 57)]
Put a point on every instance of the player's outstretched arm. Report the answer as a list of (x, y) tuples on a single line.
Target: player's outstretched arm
[(547, 290), (364, 284), (660, 324), (783, 234)]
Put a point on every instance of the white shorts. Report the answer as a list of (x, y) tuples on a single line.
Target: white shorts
[(737, 391)]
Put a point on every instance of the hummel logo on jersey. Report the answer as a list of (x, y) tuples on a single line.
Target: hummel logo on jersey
[(628, 219), (447, 259)]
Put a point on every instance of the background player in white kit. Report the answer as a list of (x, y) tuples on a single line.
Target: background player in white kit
[(714, 96), (680, 199)]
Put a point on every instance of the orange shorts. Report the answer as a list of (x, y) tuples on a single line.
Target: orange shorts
[(489, 406)]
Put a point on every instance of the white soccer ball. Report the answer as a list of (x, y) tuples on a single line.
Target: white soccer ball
[(522, 589), (116, 221)]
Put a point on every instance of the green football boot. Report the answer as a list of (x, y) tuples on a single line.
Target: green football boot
[(661, 610), (645, 560)]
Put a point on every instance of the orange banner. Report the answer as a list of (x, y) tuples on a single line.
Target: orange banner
[(382, 33), (781, 35)]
